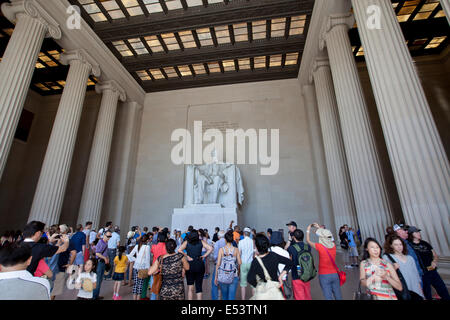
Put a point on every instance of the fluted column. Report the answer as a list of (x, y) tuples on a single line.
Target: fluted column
[(369, 190), (420, 165), (340, 186), (51, 187), (446, 6), (94, 185), (18, 64), (318, 157)]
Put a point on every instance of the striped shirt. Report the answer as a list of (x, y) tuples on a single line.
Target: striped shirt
[(381, 290), (21, 285)]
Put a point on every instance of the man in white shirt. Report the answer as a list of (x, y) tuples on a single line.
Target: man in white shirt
[(246, 250), (113, 243), (16, 283)]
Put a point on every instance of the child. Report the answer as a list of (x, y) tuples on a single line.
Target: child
[(120, 264), (87, 281)]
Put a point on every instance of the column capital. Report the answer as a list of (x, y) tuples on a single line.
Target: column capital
[(113, 86), (12, 10), (84, 57), (318, 63), (347, 20)]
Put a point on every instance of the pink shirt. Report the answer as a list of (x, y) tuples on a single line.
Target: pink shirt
[(41, 269), (158, 250)]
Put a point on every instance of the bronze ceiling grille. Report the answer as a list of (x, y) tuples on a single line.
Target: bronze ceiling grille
[(176, 44), (424, 26), (49, 75)]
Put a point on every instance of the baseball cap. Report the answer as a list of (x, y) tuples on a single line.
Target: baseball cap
[(398, 227), (247, 229), (413, 229), (292, 223)]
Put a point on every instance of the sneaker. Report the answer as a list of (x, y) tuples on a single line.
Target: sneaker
[(347, 267), (118, 297), (114, 297)]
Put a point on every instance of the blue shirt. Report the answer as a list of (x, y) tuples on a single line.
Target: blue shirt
[(412, 253), (351, 239), (112, 243), (78, 240)]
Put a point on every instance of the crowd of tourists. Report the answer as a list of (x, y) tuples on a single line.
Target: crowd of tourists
[(41, 263)]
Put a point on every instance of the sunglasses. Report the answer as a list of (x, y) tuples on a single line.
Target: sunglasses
[(109, 236)]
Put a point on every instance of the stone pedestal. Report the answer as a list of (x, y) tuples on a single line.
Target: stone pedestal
[(203, 216)]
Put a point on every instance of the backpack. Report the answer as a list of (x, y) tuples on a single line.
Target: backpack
[(227, 268), (307, 270)]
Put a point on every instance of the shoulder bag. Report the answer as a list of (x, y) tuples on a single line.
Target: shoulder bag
[(157, 279), (342, 275), (359, 295), (143, 273), (404, 294), (267, 290)]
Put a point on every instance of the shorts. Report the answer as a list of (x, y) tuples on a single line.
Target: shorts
[(353, 252), (118, 276), (79, 259), (245, 268)]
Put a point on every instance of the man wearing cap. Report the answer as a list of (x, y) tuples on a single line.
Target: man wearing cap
[(400, 230), (352, 249), (113, 243), (429, 259), (292, 226), (246, 250)]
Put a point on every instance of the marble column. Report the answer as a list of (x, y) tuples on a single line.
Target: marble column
[(94, 184), (338, 174), (120, 182), (318, 158), (33, 24), (369, 189), (446, 6), (419, 162), (51, 187)]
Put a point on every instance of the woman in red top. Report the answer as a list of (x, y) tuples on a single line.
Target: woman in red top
[(328, 276), (158, 250)]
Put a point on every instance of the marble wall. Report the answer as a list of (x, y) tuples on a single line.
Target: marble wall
[(271, 201)]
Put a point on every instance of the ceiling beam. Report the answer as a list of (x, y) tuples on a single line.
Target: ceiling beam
[(206, 54), (200, 17), (417, 29), (221, 78)]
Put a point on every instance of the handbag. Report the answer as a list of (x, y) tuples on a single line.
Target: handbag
[(157, 279), (404, 294), (286, 288), (143, 273), (342, 275), (268, 290), (359, 295)]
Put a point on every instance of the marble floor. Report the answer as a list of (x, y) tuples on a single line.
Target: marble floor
[(347, 289)]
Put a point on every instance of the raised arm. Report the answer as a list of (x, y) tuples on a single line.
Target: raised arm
[(308, 239)]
